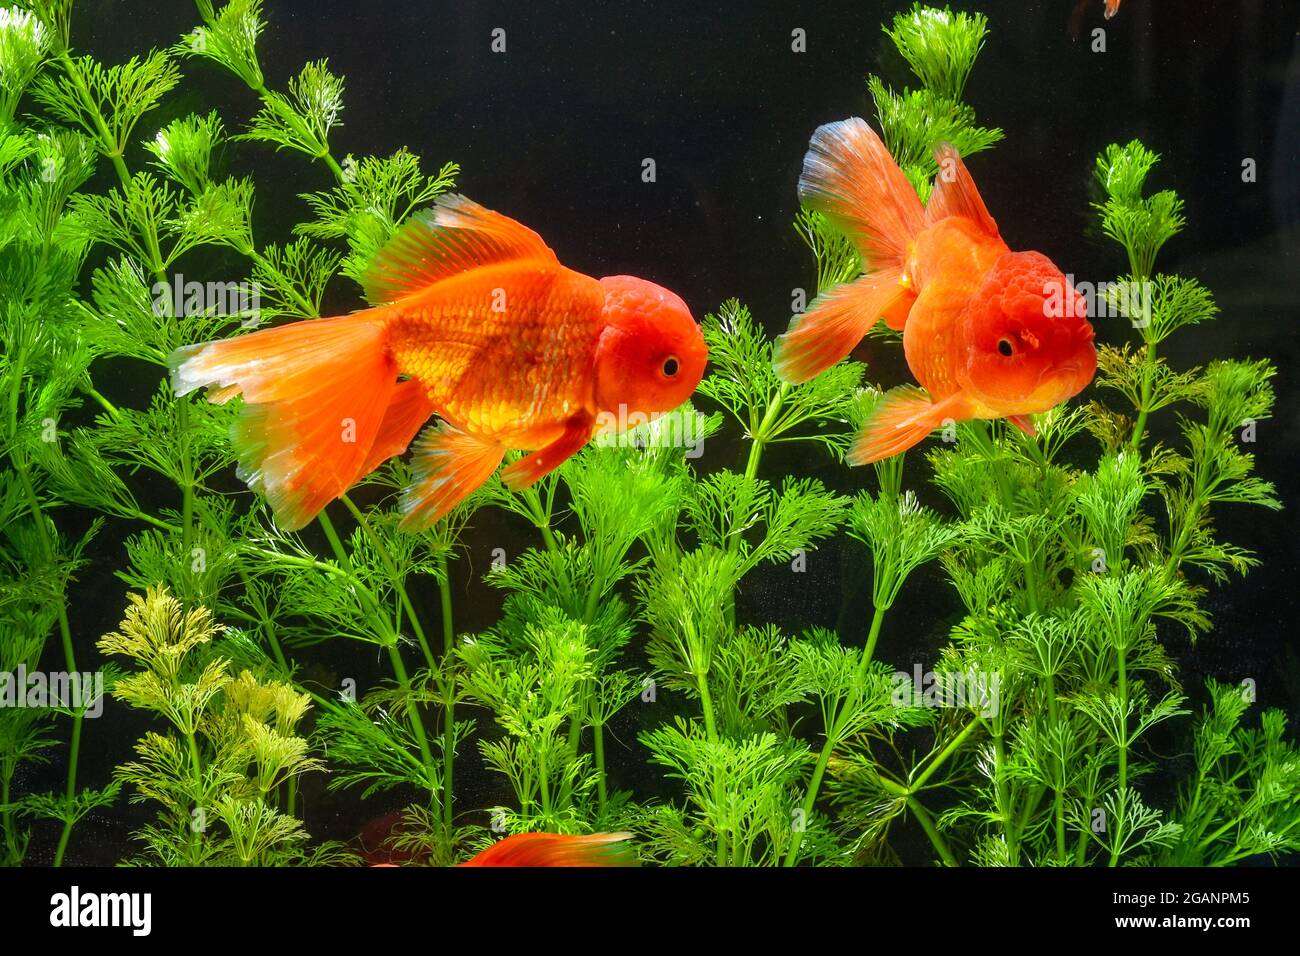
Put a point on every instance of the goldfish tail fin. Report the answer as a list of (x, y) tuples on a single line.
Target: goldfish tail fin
[(557, 849), (449, 465), (903, 417), (850, 177), (837, 320), (955, 194), (316, 394)]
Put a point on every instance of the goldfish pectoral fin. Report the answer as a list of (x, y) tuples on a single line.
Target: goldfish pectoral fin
[(449, 465), (954, 193), (522, 473), (455, 235), (903, 418), (836, 321), (1024, 423)]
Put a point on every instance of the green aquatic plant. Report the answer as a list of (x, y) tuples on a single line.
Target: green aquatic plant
[(230, 750), (624, 636)]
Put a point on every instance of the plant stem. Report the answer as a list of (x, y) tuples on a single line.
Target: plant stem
[(399, 586), (927, 824), (449, 714), (810, 796), (877, 618), (14, 857), (598, 745), (1058, 793), (1123, 718), (1148, 378), (544, 781), (916, 785), (48, 551), (833, 735), (759, 435), (394, 657)]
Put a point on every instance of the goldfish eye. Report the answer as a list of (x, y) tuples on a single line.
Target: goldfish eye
[(671, 365), (1005, 348)]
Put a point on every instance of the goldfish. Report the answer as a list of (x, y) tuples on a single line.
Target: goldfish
[(1080, 10), (989, 333), (557, 849), (554, 849), (471, 317)]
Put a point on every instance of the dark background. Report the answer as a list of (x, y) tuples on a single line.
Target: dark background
[(554, 131)]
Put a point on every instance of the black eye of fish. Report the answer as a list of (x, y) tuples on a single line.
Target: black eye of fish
[(1004, 346), (670, 366)]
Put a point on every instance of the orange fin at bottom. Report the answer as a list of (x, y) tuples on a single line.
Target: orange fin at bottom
[(530, 468), (449, 465), (903, 418), (1024, 423), (558, 849)]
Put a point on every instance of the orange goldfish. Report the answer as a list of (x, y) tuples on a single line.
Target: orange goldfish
[(557, 849), (554, 849), (989, 333), (473, 318), (1080, 11)]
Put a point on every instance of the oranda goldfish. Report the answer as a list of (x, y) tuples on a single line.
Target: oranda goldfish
[(988, 332), (554, 849), (473, 318)]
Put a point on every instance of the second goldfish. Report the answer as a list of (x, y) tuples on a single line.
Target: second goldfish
[(989, 333)]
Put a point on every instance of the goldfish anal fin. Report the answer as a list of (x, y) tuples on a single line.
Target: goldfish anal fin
[(409, 407), (557, 849), (836, 321), (955, 194), (850, 177), (456, 235), (901, 419), (522, 473), (449, 465), (1024, 423), (315, 396)]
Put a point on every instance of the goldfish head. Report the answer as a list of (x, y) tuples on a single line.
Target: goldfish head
[(1028, 343), (651, 353)]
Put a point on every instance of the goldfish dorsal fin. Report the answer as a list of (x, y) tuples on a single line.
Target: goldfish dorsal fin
[(456, 235), (955, 193)]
